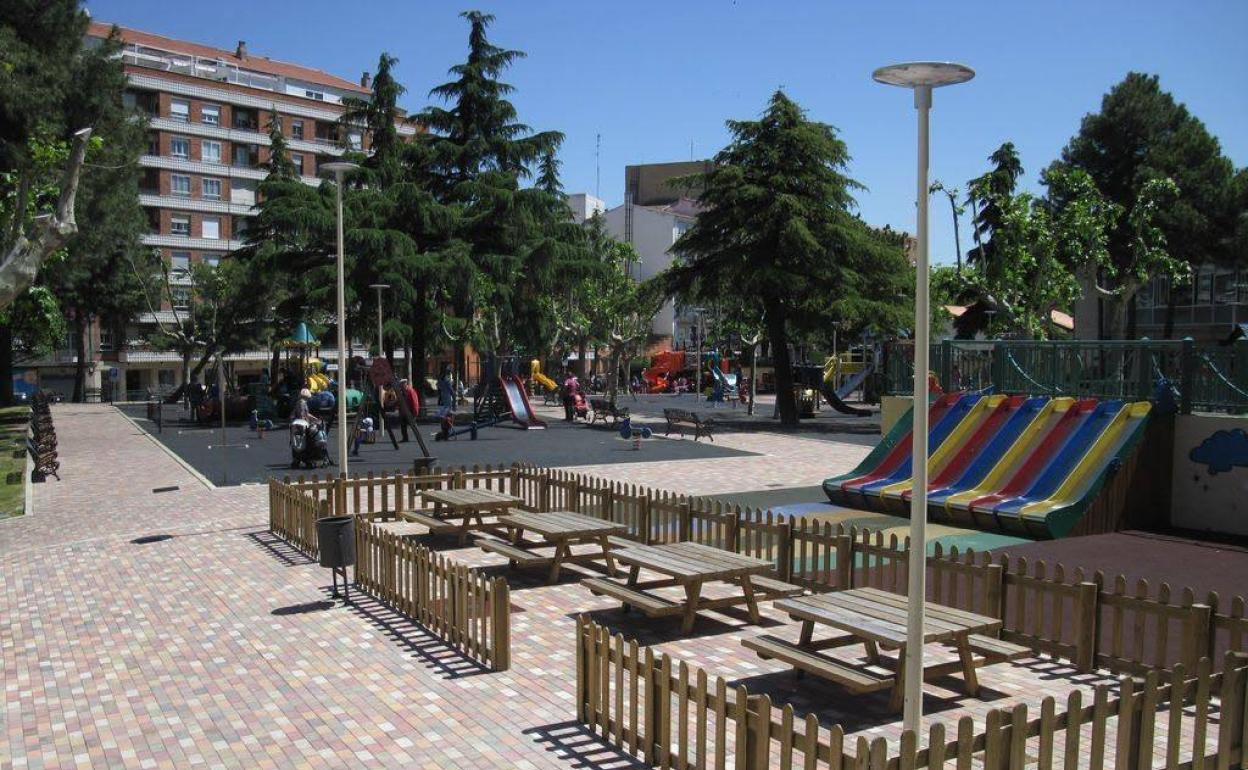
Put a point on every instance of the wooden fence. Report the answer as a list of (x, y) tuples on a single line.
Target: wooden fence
[(462, 606), (293, 514), (1089, 620), (672, 715)]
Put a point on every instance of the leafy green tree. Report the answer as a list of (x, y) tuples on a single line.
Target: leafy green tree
[(94, 279), (481, 152), (778, 236), (41, 43), (1141, 134)]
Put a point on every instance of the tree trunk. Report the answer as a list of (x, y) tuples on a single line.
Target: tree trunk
[(6, 365), (777, 334), (80, 347), (274, 363), (186, 368), (581, 349), (203, 360), (24, 256), (753, 377)]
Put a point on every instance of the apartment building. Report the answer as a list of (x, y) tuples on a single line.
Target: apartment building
[(208, 111)]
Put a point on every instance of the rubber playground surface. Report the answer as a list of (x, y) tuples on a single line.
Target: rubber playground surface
[(811, 503), (247, 458)]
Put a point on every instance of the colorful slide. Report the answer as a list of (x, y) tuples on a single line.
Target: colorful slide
[(1030, 466), (518, 402), (535, 374), (663, 364)]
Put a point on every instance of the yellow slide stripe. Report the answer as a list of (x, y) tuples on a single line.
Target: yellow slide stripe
[(1097, 456), (952, 444), (1015, 455)]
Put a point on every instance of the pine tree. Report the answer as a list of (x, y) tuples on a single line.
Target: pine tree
[(777, 236), (481, 152)]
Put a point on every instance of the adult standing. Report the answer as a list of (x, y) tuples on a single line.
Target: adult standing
[(446, 393), (412, 399)]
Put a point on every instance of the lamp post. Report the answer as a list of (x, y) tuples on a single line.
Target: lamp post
[(379, 287), (921, 77), (338, 168)]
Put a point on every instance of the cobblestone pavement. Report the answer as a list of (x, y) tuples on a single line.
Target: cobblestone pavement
[(169, 629)]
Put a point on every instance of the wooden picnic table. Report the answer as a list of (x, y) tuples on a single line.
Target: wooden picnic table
[(877, 619), (562, 529), (689, 565), (466, 505)]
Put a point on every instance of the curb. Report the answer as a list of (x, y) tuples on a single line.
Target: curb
[(172, 454)]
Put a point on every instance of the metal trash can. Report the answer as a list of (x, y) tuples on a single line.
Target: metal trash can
[(335, 536)]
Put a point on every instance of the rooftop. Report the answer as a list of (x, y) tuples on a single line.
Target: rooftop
[(227, 60)]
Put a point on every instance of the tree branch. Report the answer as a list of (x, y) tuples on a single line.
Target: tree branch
[(21, 263)]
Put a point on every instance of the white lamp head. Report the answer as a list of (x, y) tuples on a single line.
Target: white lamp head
[(379, 286), (338, 167), (932, 74)]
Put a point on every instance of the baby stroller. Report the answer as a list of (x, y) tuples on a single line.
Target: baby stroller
[(308, 445), (580, 407)]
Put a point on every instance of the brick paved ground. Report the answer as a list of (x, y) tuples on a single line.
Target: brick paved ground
[(215, 647)]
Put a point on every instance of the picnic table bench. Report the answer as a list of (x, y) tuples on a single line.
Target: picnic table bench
[(688, 565), (468, 506), (561, 529), (679, 419), (607, 411), (877, 619)]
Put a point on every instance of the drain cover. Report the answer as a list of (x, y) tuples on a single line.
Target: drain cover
[(158, 490)]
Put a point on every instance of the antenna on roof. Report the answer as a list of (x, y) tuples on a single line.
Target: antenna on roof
[(598, 167)]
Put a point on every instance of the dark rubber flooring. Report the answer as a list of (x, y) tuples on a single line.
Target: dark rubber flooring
[(248, 458)]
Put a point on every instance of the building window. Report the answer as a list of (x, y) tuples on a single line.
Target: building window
[(164, 377), (297, 160), (181, 298), (355, 140), (211, 189), (180, 224), (212, 260), (179, 184), (211, 228), (180, 110), (317, 95), (246, 155), (210, 115), (180, 147), (180, 263), (296, 129), (245, 119), (210, 151)]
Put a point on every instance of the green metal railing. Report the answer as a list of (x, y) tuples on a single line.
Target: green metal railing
[(1210, 378)]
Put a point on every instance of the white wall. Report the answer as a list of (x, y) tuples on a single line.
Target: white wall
[(654, 232), (1210, 482), (584, 206)]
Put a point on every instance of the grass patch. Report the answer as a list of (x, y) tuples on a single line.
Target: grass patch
[(13, 422)]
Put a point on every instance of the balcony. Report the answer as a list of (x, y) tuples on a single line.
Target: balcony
[(199, 67)]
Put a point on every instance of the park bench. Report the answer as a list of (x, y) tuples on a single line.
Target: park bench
[(856, 679), (606, 411), (680, 419)]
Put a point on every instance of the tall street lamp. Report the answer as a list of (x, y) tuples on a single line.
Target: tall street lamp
[(921, 77), (338, 168), (380, 287)]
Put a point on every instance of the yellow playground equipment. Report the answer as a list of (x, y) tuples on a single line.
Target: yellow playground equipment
[(843, 365), (317, 380), (535, 374)]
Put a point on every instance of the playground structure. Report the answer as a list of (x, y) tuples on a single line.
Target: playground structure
[(500, 398), (380, 380), (665, 363), (1023, 465), (536, 376)]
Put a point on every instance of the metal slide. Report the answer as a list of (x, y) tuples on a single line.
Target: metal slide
[(518, 401), (836, 396)]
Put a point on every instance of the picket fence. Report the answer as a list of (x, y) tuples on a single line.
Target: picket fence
[(1091, 620), (462, 606), (672, 715), (468, 610)]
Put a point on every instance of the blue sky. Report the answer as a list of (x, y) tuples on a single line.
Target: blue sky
[(655, 79)]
